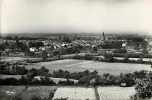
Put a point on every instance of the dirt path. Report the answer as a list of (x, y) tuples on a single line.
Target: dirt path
[(96, 93)]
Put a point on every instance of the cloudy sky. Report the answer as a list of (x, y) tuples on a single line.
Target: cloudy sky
[(20, 16)]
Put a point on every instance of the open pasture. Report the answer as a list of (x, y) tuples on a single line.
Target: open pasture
[(26, 93), (74, 93), (116, 93), (81, 65), (88, 93)]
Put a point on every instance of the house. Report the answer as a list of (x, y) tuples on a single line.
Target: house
[(57, 80)]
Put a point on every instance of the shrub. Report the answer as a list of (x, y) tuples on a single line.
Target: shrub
[(36, 98), (17, 98), (144, 88)]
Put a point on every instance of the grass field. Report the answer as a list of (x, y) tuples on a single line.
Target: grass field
[(75, 93), (8, 92), (105, 93), (16, 59), (81, 65), (116, 93), (72, 93), (10, 76)]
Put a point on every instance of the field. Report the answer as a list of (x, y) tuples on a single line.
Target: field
[(116, 93), (10, 76), (81, 65), (8, 92), (16, 59), (105, 93), (75, 93), (72, 93)]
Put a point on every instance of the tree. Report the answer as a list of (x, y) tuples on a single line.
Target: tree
[(36, 97), (31, 73), (108, 57), (126, 57), (140, 74), (61, 99), (144, 88), (128, 79), (44, 55), (43, 71), (21, 70), (17, 98), (10, 81)]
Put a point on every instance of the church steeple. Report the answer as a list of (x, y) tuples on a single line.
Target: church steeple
[(103, 36)]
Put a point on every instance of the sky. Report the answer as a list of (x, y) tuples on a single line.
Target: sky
[(75, 16)]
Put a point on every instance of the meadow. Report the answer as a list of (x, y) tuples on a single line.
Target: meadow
[(81, 65), (17, 59), (116, 93), (68, 92), (74, 93), (8, 92), (105, 93)]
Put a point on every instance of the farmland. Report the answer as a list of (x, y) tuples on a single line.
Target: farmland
[(81, 65), (116, 93), (79, 93), (12, 59), (16, 59), (8, 92), (10, 76), (72, 93), (105, 93), (75, 93)]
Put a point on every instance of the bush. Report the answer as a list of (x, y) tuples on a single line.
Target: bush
[(17, 98), (36, 98), (68, 82), (61, 99), (9, 81), (144, 88)]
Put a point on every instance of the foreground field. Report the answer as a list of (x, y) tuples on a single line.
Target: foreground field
[(8, 92), (71, 93), (116, 93), (75, 93), (105, 93), (81, 65)]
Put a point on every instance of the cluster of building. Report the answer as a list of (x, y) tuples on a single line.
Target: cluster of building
[(39, 47)]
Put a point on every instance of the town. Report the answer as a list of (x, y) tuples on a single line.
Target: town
[(134, 46), (81, 60)]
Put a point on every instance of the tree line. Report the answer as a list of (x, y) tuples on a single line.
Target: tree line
[(84, 78)]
